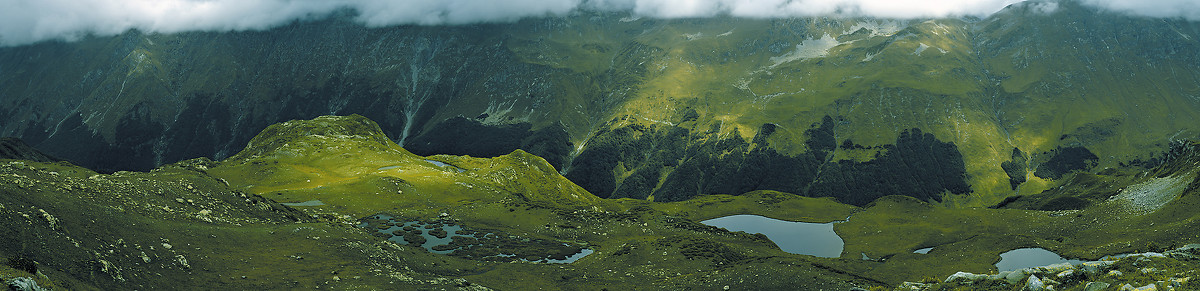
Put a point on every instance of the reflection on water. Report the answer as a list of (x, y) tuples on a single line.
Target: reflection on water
[(444, 237), (815, 239), (439, 164), (572, 258), (444, 165), (1028, 258), (305, 203)]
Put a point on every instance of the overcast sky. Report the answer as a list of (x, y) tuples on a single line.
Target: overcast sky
[(29, 21)]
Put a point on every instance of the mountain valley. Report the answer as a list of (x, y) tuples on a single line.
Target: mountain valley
[(582, 152)]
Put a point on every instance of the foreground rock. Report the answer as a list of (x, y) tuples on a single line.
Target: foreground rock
[(1171, 270)]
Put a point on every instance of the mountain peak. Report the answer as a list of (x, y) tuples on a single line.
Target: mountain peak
[(304, 136)]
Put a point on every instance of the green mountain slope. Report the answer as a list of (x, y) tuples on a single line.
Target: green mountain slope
[(651, 108), (219, 225), (227, 225)]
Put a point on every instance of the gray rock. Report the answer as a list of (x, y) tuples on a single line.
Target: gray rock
[(1095, 267), (1190, 251), (24, 284), (1015, 277), (1066, 275), (1096, 286), (1034, 284), (965, 278), (1150, 287)]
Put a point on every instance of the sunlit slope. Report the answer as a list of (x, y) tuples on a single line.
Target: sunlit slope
[(728, 78), (348, 164), (986, 86), (1079, 77), (178, 226), (201, 223)]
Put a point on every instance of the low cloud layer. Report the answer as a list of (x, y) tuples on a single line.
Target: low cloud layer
[(1187, 9), (29, 21)]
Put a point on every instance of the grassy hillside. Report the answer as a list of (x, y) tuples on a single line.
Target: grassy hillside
[(227, 224)]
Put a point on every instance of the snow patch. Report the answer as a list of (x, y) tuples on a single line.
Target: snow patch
[(921, 49), (878, 28), (869, 57), (808, 49)]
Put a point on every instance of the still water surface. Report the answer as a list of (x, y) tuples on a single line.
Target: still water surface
[(814, 239), (1028, 258)]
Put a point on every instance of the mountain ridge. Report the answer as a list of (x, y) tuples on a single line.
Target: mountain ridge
[(1026, 78)]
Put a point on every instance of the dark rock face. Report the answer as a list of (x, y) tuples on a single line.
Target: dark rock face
[(15, 148), (917, 165), (1015, 168), (74, 141), (688, 166), (462, 136), (23, 264), (1067, 160), (644, 150)]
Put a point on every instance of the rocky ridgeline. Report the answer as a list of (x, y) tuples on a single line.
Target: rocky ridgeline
[(1170, 270)]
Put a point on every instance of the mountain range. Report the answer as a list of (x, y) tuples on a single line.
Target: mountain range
[(315, 154), (662, 109)]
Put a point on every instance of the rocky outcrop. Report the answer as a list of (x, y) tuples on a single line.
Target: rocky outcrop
[(24, 284), (1171, 270)]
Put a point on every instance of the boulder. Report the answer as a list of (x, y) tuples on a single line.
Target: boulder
[(1034, 284), (1096, 286), (965, 278), (24, 284), (1015, 277)]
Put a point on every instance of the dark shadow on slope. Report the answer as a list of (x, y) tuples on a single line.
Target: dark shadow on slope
[(462, 136), (690, 165), (1066, 160), (17, 149)]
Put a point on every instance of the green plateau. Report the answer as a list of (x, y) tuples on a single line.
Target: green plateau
[(226, 224)]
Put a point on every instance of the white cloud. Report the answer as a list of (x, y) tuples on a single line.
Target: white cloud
[(1187, 9), (29, 21)]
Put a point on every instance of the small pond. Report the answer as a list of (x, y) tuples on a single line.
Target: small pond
[(1030, 257), (305, 203), (444, 237), (923, 251), (814, 239), (444, 165), (439, 164)]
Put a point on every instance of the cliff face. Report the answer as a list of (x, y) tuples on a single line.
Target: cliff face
[(651, 108), (17, 149)]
